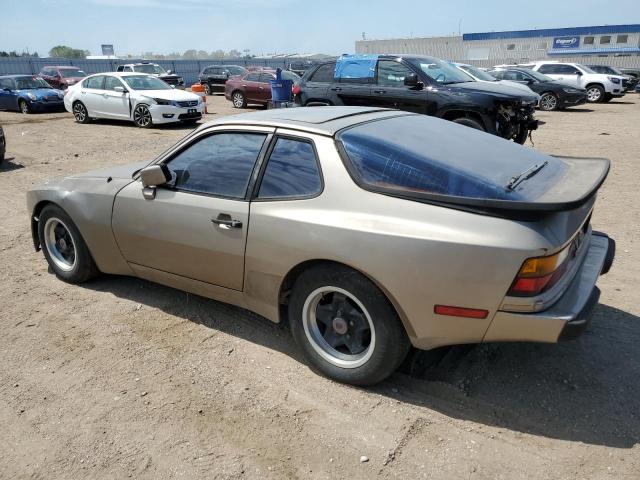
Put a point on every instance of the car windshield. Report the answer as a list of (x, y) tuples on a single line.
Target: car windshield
[(144, 82), (585, 68), (479, 74), (153, 69), (236, 70), (30, 83), (439, 71), (69, 72), (539, 76), (290, 76), (416, 155)]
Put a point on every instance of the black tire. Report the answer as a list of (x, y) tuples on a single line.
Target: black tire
[(522, 135), (83, 267), (80, 112), (548, 102), (388, 343), (207, 88), (595, 94), (238, 99), (469, 122), (142, 116), (607, 98), (23, 106)]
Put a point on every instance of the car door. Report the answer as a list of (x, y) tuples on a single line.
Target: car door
[(390, 91), (7, 94), (115, 104), (91, 94), (250, 85), (315, 88), (264, 90), (186, 229), (563, 73)]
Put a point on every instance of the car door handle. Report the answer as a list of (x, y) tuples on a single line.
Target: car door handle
[(379, 91), (336, 89), (225, 221)]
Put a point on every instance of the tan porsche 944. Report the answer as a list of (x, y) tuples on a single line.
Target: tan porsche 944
[(367, 230)]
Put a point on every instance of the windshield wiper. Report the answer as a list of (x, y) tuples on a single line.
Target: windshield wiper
[(527, 174)]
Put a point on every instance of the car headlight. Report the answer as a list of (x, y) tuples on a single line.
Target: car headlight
[(32, 96), (161, 101), (614, 80)]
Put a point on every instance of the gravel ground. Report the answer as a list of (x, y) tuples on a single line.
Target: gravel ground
[(122, 378)]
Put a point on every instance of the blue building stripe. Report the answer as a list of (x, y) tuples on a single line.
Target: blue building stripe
[(592, 51), (554, 32)]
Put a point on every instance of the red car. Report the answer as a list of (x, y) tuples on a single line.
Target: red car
[(62, 77), (253, 87)]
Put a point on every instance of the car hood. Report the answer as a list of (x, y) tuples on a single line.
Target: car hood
[(494, 88), (173, 94), (518, 86), (122, 171), (48, 93)]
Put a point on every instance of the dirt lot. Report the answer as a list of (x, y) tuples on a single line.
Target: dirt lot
[(122, 378)]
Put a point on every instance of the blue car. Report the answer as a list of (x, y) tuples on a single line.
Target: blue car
[(26, 94)]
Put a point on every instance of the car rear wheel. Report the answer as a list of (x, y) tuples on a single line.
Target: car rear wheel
[(548, 102), (24, 106), (80, 113), (142, 116), (63, 246), (345, 326), (238, 99), (595, 94), (469, 122)]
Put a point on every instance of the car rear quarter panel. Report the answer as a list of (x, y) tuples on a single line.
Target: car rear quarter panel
[(420, 255), (89, 203)]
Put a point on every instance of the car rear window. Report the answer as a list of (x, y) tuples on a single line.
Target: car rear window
[(416, 155)]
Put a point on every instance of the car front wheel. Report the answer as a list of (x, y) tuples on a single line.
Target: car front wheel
[(595, 94), (142, 116), (345, 326), (24, 106), (548, 102), (63, 246), (238, 99)]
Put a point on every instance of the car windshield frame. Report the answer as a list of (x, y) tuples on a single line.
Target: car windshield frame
[(38, 83), (152, 70), (451, 74), (75, 71), (157, 83)]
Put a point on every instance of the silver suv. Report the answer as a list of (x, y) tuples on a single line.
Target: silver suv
[(600, 87)]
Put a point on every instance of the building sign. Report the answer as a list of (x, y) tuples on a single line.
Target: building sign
[(107, 50), (566, 42)]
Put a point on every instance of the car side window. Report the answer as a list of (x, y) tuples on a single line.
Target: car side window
[(392, 74), (292, 171), (94, 82), (552, 69), (111, 82), (515, 76), (266, 77), (324, 74), (252, 77), (567, 70), (219, 164), (128, 69), (6, 83)]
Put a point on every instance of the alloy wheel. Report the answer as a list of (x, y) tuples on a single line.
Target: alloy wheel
[(79, 112), (24, 108), (59, 244), (238, 100), (548, 102), (594, 94), (142, 116), (338, 327)]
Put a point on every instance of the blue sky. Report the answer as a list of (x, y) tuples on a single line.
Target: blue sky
[(267, 26)]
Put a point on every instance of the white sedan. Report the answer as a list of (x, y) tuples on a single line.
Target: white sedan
[(143, 99)]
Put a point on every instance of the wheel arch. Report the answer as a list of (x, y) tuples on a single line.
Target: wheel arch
[(35, 214), (454, 114), (294, 273)]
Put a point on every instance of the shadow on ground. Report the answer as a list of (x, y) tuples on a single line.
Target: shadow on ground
[(587, 390), (8, 164)]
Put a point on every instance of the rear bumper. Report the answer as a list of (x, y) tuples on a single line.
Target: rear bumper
[(569, 316)]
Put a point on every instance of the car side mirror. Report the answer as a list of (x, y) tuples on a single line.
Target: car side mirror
[(118, 89), (579, 73), (152, 177), (412, 81), (530, 81)]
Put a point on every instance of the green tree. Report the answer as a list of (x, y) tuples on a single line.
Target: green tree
[(64, 51)]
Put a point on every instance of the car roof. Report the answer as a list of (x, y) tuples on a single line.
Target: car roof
[(321, 120), (121, 74)]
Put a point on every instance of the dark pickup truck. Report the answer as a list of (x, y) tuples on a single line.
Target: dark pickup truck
[(423, 85)]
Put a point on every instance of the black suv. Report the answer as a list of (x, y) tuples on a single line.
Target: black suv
[(423, 85), (554, 94), (215, 76)]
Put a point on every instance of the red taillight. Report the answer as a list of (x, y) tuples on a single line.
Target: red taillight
[(295, 89), (539, 274), (460, 311)]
